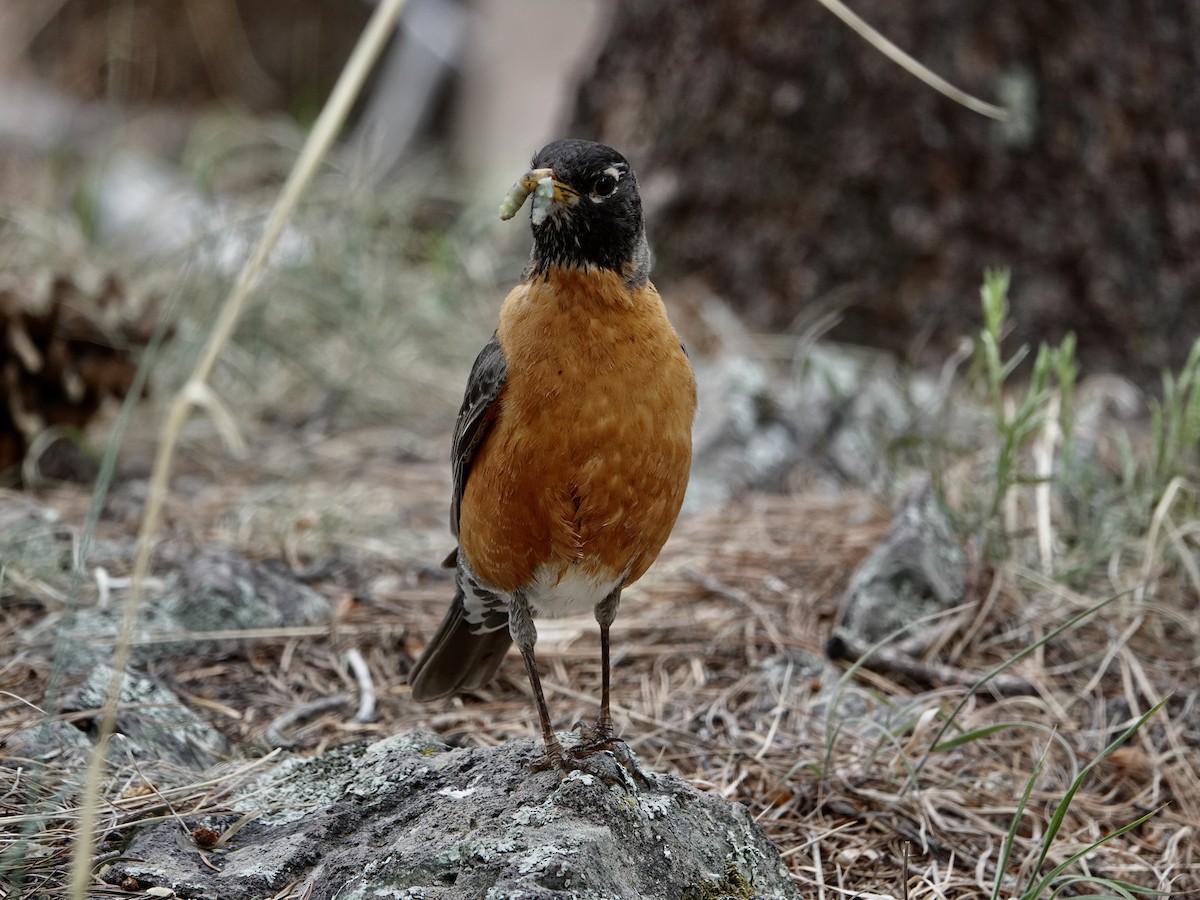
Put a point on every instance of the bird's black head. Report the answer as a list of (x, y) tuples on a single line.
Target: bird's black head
[(594, 215)]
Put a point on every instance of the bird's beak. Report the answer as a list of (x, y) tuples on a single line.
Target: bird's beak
[(547, 191)]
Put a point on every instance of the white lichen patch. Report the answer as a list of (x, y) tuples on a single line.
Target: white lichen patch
[(408, 743), (747, 855), (538, 858), (372, 777), (370, 782), (412, 893), (582, 777), (297, 787), (542, 814), (368, 892), (486, 851), (505, 845), (655, 805), (504, 894)]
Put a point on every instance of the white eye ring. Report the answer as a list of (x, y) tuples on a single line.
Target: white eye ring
[(611, 172)]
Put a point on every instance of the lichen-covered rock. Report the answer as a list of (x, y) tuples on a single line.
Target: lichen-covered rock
[(409, 816), (919, 569), (222, 590), (152, 722), (217, 591)]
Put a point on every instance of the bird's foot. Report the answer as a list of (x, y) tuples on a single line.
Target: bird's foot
[(599, 738), (570, 759), (595, 738), (616, 767), (555, 757)]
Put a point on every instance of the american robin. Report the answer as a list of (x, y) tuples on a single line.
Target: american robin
[(573, 445)]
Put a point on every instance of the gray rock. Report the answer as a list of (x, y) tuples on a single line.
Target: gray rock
[(216, 591), (918, 569), (835, 416), (409, 816), (221, 590), (744, 439), (53, 741), (154, 724)]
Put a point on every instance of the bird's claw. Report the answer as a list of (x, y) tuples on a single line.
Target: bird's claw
[(594, 738)]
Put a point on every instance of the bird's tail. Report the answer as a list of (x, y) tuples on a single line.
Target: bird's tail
[(456, 660)]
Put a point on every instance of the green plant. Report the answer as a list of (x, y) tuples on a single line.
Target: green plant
[(1039, 884), (1175, 427), (1016, 422)]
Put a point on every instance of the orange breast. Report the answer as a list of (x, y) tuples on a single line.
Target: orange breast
[(587, 462)]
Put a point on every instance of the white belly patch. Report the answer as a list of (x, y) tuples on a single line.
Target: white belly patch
[(576, 592)]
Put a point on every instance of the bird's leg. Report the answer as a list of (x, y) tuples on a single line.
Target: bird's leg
[(606, 612), (524, 635), (600, 735)]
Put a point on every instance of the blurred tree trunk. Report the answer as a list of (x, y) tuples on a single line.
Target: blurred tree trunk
[(793, 167), (262, 54)]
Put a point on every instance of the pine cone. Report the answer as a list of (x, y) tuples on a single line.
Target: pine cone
[(65, 348)]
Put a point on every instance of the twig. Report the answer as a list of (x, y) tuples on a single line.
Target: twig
[(764, 618), (366, 686), (1043, 455), (779, 710), (294, 716), (106, 584), (890, 661), (910, 65)]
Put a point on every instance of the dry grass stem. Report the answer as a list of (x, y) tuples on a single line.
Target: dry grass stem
[(324, 131), (910, 65)]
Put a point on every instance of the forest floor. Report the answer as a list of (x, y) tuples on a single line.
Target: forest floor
[(872, 780), (718, 674)]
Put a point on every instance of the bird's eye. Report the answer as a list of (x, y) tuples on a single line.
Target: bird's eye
[(604, 186)]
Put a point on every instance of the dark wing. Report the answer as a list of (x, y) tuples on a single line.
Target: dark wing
[(475, 417)]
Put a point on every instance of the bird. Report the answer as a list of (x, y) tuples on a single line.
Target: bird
[(573, 446)]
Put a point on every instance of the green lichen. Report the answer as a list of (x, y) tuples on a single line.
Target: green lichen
[(542, 814), (732, 885), (536, 859), (486, 851), (300, 785)]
